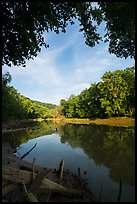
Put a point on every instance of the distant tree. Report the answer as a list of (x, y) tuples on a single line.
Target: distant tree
[(17, 106), (113, 93), (23, 25), (129, 77), (64, 105), (94, 104), (118, 92)]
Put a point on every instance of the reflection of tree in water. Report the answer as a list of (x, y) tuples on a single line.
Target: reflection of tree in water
[(35, 129), (113, 147), (123, 159)]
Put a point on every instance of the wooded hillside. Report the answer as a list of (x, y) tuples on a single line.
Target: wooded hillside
[(17, 106)]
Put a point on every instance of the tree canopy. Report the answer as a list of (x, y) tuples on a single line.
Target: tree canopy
[(113, 96), (23, 25)]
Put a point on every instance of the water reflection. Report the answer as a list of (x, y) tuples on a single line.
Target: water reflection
[(106, 153), (34, 129), (113, 147)]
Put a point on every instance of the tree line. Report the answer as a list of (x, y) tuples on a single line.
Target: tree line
[(114, 96), (17, 106)]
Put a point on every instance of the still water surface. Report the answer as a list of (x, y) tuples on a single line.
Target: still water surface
[(105, 154)]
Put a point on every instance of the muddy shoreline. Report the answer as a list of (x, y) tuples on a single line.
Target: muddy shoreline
[(15, 125)]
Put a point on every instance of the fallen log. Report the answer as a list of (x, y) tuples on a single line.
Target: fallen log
[(20, 176), (60, 170)]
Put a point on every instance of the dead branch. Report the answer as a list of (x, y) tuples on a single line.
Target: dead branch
[(18, 176), (100, 194), (33, 176), (30, 197), (28, 151), (48, 197), (60, 170), (37, 182), (120, 190)]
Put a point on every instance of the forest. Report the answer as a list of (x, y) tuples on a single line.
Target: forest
[(113, 96), (23, 25), (17, 106)]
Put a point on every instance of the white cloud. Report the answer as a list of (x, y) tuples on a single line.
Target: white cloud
[(67, 67)]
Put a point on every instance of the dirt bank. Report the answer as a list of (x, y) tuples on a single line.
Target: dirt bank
[(118, 121)]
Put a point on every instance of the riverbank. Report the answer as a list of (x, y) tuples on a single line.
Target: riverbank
[(117, 121), (15, 125)]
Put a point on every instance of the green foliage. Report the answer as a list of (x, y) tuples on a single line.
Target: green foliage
[(17, 106), (120, 26), (116, 92), (114, 96), (33, 129), (23, 25), (129, 77)]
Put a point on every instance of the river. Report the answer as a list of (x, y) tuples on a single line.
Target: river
[(105, 154)]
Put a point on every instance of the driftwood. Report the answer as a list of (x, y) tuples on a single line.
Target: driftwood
[(30, 197), (60, 170), (37, 182), (28, 151), (20, 176), (120, 190), (33, 170)]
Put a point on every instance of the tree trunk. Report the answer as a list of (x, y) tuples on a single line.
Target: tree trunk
[(20, 176)]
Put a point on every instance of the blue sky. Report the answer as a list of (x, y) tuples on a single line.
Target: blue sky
[(67, 67)]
